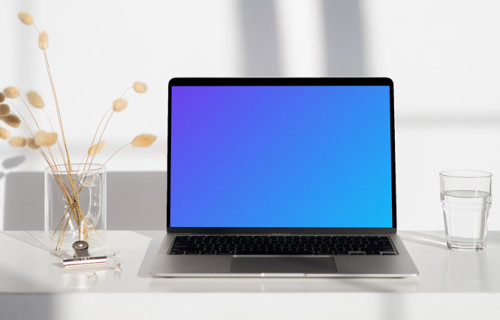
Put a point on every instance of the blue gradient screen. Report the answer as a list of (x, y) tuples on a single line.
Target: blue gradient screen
[(281, 156)]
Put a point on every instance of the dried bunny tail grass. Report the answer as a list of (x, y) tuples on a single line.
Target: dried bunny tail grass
[(11, 92), (12, 120), (119, 105), (43, 40), (143, 140), (96, 148), (25, 18), (4, 133), (35, 100), (45, 139), (32, 144), (17, 142), (4, 109), (140, 87), (2, 97)]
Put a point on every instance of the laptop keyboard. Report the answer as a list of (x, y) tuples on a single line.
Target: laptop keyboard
[(283, 245)]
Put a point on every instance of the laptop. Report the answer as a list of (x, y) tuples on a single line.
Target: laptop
[(281, 177)]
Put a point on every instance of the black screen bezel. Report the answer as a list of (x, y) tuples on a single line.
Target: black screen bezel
[(284, 82)]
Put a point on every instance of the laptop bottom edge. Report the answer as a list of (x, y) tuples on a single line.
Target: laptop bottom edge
[(283, 266)]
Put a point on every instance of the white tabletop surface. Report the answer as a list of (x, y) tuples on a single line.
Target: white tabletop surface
[(33, 284)]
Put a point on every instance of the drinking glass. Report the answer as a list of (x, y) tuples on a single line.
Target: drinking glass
[(466, 202)]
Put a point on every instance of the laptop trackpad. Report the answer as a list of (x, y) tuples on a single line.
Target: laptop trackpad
[(315, 264)]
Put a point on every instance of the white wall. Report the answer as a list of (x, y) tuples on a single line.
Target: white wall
[(443, 56)]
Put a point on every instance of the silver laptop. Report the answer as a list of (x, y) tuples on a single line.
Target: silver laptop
[(281, 177)]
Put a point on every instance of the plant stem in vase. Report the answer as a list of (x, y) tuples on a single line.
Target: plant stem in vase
[(75, 206)]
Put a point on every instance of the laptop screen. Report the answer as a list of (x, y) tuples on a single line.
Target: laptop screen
[(281, 153)]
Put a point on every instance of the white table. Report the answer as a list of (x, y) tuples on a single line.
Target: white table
[(451, 285)]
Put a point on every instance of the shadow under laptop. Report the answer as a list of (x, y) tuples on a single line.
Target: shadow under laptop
[(158, 284), (431, 239)]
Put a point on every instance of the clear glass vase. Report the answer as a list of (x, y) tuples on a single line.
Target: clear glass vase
[(75, 205)]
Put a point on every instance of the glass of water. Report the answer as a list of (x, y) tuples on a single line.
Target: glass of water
[(466, 202)]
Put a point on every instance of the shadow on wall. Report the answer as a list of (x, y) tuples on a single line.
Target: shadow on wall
[(344, 39), (136, 200), (260, 38)]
